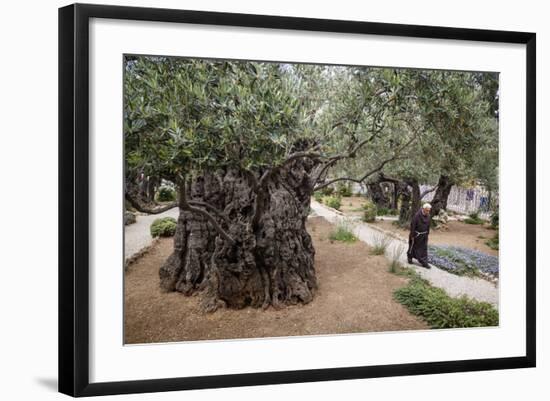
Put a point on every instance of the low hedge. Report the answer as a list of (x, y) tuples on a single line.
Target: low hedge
[(163, 227)]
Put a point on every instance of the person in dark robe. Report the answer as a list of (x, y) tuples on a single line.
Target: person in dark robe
[(418, 237)]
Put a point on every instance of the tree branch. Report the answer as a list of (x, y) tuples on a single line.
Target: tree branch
[(377, 169), (297, 155), (144, 209), (358, 180), (213, 209), (184, 204), (426, 192)]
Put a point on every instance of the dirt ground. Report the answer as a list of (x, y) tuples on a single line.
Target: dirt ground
[(352, 205), (457, 233), (354, 295)]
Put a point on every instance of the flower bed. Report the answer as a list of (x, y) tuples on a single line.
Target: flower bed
[(462, 261)]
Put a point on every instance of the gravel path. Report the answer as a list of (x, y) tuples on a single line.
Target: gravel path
[(454, 285), (137, 235)]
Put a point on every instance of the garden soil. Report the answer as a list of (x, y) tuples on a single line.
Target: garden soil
[(354, 296), (457, 233)]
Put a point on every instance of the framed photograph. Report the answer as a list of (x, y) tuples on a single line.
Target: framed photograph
[(251, 199)]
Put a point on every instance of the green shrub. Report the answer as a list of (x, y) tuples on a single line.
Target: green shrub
[(164, 227), (166, 194), (494, 220), (128, 206), (344, 190), (384, 211), (318, 196), (440, 310), (473, 218), (342, 233), (381, 243), (333, 201), (327, 191), (493, 242), (369, 212)]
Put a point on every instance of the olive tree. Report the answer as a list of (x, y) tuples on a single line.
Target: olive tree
[(247, 145)]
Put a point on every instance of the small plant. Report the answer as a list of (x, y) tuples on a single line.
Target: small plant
[(494, 220), (344, 190), (369, 211), (440, 310), (164, 227), (166, 194), (343, 233), (327, 191), (318, 196), (473, 218), (493, 242), (395, 265), (333, 201), (382, 211), (128, 206), (381, 243)]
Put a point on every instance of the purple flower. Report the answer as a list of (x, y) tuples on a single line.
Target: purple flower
[(459, 260)]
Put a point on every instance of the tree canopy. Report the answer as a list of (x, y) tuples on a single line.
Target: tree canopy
[(186, 116)]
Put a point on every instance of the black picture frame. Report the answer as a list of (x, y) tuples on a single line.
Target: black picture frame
[(74, 200)]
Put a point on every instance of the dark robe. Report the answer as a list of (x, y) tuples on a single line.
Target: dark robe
[(418, 237)]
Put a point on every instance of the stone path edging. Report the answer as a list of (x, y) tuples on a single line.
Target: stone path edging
[(454, 285)]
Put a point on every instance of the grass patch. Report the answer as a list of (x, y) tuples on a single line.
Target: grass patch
[(343, 233), (395, 265), (318, 196), (384, 211), (440, 310), (473, 218), (344, 190), (381, 243), (333, 201), (493, 242)]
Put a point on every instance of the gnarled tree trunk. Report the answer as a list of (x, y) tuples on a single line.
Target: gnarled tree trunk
[(271, 259), (441, 195), (378, 195), (410, 200)]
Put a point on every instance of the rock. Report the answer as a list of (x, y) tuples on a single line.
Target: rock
[(129, 218)]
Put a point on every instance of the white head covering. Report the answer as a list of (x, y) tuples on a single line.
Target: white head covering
[(426, 206)]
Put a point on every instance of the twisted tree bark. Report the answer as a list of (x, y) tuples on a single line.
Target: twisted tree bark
[(378, 195), (267, 256), (439, 200)]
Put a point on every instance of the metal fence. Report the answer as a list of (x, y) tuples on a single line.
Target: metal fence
[(461, 200), (468, 200)]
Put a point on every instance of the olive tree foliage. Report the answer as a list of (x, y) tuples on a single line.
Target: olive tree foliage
[(186, 116), (454, 118), (374, 121), (247, 144)]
